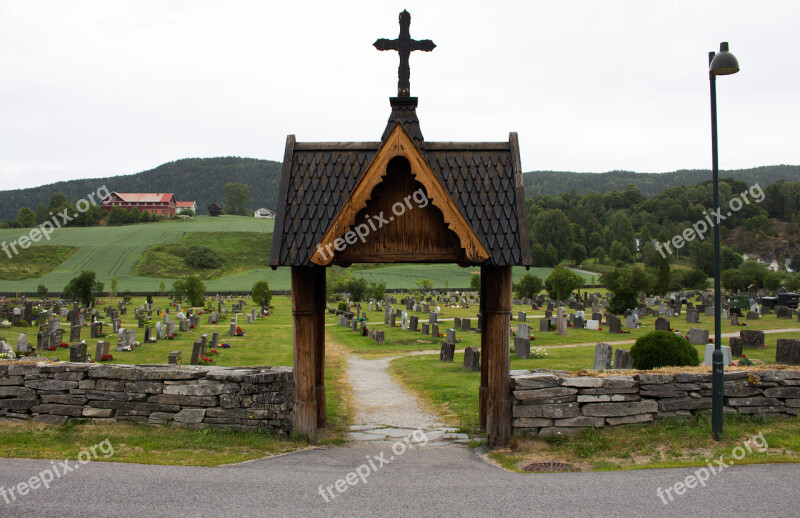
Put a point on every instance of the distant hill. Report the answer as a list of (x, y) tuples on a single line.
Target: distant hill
[(198, 179), (202, 179), (556, 182)]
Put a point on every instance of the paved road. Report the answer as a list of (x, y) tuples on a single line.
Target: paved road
[(443, 481)]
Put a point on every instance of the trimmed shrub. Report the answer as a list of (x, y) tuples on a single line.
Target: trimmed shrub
[(663, 349), (203, 257)]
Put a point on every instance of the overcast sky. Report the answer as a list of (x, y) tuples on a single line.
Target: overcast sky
[(102, 88)]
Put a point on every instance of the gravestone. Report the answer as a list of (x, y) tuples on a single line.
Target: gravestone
[(662, 324), (432, 317), (708, 358), (466, 324), (522, 316), (614, 325), (197, 347), (752, 315), (622, 359), (561, 321), (692, 316), (159, 330), (435, 330), (115, 325), (447, 352), (249, 319), (698, 336), (75, 334), (232, 329), (602, 357), (425, 328), (593, 325), (379, 337), (522, 347), (413, 322), (457, 322), (214, 339), (404, 320), (736, 345), (783, 312), (204, 339), (450, 335), (632, 321), (752, 339), (734, 319), (171, 328), (130, 337), (392, 320), (597, 316), (353, 325), (787, 352), (544, 325), (77, 353), (472, 359), (22, 344), (101, 351), (363, 329), (148, 331)]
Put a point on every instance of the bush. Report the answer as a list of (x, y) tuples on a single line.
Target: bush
[(203, 257), (663, 349), (342, 306)]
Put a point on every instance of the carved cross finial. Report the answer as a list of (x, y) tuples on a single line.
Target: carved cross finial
[(404, 45)]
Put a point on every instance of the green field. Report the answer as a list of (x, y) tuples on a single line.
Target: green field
[(115, 251)]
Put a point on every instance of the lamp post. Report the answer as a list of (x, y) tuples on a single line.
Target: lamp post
[(723, 63)]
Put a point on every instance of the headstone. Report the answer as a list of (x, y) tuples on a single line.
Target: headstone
[(602, 357), (787, 352), (622, 359), (204, 339), (708, 358), (752, 339), (692, 316), (752, 315), (561, 321), (435, 330), (175, 358), (593, 325), (447, 352), (425, 328), (614, 325), (74, 334), (115, 325), (159, 330), (450, 335), (232, 329), (413, 322), (379, 337), (170, 328), (197, 348), (544, 325), (522, 347), (597, 316), (392, 320), (698, 336), (77, 353), (522, 316), (22, 344), (148, 331), (662, 324), (101, 351), (214, 339), (404, 320), (736, 346), (783, 312), (457, 322), (632, 321), (472, 359), (466, 324), (734, 319), (432, 317)]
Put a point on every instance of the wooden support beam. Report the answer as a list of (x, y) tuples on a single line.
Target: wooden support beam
[(319, 346), (482, 326), (496, 354), (304, 332)]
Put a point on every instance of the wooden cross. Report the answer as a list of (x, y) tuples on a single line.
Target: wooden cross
[(404, 45)]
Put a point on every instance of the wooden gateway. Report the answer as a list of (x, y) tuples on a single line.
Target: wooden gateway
[(401, 200)]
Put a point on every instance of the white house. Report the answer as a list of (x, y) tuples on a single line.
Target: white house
[(264, 213)]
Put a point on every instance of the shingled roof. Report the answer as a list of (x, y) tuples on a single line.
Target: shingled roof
[(483, 179)]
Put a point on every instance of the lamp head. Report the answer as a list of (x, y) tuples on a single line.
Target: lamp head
[(723, 63)]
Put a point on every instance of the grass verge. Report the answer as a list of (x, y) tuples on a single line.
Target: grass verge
[(34, 261)]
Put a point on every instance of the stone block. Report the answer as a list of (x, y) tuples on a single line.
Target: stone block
[(602, 357), (787, 351), (447, 352), (619, 409), (630, 419), (472, 359), (622, 359)]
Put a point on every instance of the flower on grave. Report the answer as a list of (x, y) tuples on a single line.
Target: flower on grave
[(107, 358), (214, 351), (224, 346), (191, 326), (64, 345), (51, 348), (599, 328), (206, 359)]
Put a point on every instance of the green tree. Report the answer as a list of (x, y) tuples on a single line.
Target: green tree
[(625, 285), (203, 257), (620, 252), (261, 294), (114, 287), (377, 290), (475, 282), (42, 291), (599, 253), (545, 256), (794, 262), (702, 255), (529, 286), (561, 282), (551, 228), (424, 284), (80, 288), (578, 253), (163, 288), (620, 229), (179, 290), (26, 218), (237, 199), (41, 213), (195, 290), (357, 287), (662, 282)]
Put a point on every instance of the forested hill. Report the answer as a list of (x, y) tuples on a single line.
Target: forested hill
[(556, 182), (202, 180), (198, 179)]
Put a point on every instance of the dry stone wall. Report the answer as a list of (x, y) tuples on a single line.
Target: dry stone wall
[(257, 398), (547, 402)]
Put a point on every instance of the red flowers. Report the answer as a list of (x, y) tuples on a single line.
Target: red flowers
[(205, 359), (51, 348), (214, 351), (107, 358)]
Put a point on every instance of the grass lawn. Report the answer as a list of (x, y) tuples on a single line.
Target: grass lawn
[(241, 251), (33, 262)]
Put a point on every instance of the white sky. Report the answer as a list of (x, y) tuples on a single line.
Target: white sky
[(97, 88)]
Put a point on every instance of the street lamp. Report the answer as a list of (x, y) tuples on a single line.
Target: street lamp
[(720, 64)]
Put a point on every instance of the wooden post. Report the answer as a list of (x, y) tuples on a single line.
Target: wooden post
[(484, 362), (496, 353), (319, 346), (304, 331)]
